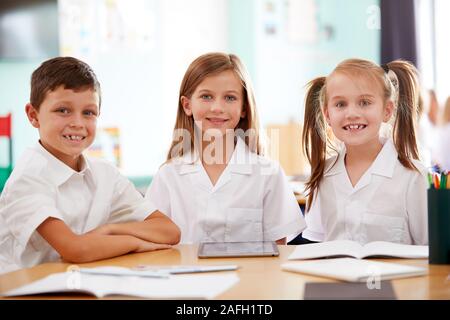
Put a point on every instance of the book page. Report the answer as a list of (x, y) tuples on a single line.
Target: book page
[(398, 250), (54, 283), (353, 270), (327, 249), (202, 286)]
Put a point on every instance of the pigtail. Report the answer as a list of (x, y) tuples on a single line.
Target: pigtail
[(406, 86), (314, 136)]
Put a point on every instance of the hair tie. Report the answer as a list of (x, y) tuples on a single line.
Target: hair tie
[(385, 68)]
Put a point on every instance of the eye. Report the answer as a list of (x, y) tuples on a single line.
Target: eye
[(340, 104), (230, 98), (206, 97), (62, 110), (90, 113), (365, 103)]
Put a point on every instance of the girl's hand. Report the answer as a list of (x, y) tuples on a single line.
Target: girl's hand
[(144, 246)]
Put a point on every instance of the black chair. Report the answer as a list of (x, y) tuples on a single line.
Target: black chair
[(300, 240)]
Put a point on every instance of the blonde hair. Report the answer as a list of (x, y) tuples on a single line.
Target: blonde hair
[(205, 66), (399, 83)]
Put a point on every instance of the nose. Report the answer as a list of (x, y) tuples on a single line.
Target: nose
[(216, 106), (352, 112), (76, 121)]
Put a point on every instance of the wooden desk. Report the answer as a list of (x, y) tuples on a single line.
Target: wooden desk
[(260, 278)]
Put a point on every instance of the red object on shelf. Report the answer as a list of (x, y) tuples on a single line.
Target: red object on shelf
[(5, 126)]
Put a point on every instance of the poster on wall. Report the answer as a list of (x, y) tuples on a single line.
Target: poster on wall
[(301, 22), (88, 28)]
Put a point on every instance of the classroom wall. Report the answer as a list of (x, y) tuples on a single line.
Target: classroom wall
[(241, 30), (189, 29), (140, 83), (286, 57), (14, 94), (140, 89)]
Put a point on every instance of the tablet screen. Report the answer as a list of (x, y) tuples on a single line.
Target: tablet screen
[(237, 249)]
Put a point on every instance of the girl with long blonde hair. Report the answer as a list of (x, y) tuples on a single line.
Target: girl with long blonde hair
[(215, 184), (373, 187)]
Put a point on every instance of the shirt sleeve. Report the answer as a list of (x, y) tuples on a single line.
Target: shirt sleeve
[(314, 228), (127, 203), (28, 202), (416, 206), (282, 214), (158, 193)]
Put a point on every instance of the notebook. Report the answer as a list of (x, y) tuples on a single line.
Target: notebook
[(348, 291), (203, 286), (354, 270), (340, 248)]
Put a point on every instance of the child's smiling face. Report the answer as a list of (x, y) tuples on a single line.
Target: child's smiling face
[(355, 109), (67, 121), (217, 102)]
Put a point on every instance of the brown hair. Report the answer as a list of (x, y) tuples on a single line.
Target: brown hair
[(212, 64), (69, 72), (400, 86)]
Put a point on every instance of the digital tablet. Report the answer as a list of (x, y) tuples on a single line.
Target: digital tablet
[(237, 249)]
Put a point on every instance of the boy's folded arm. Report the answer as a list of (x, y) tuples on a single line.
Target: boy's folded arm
[(157, 228), (90, 246)]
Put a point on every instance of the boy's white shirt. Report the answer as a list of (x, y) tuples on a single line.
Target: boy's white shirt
[(42, 186), (251, 201), (389, 202)]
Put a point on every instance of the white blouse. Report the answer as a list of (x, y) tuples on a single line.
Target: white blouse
[(251, 201), (389, 202)]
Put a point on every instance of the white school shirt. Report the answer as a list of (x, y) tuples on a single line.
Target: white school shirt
[(389, 202), (251, 201), (42, 186)]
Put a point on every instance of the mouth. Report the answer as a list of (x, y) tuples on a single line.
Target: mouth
[(75, 138), (217, 120), (354, 127)]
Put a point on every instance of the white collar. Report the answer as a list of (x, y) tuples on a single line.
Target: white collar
[(383, 165), (241, 160), (59, 172)]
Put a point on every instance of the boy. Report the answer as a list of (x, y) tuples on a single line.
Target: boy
[(57, 202)]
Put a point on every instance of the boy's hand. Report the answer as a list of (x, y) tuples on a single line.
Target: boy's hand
[(144, 246)]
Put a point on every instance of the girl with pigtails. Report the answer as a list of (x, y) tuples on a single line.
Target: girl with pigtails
[(365, 186)]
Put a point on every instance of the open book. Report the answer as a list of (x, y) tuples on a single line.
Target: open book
[(342, 248), (354, 270), (202, 286)]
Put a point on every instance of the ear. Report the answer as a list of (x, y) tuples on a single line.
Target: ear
[(326, 115), (388, 110), (186, 104), (243, 113), (33, 115)]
